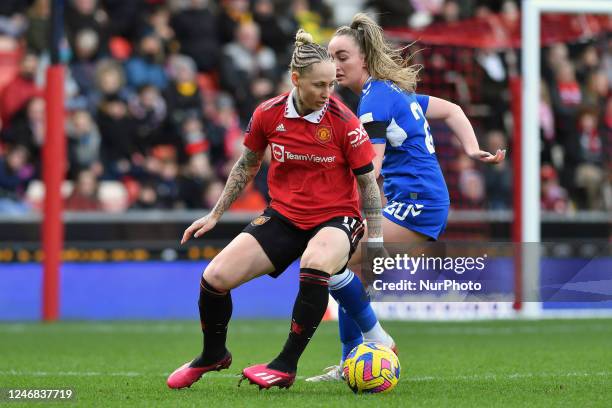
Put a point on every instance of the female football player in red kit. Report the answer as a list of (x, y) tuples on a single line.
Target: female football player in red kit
[(321, 165)]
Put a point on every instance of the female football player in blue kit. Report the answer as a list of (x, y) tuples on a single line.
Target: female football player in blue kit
[(395, 118)]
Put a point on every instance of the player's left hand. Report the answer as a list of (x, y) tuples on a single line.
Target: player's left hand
[(487, 157), (199, 227)]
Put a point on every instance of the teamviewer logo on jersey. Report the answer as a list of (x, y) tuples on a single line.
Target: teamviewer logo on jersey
[(358, 136), (278, 152)]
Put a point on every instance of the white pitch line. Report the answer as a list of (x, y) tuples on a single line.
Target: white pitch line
[(474, 377)]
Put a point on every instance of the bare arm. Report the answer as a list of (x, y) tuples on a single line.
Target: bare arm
[(242, 173), (379, 149), (371, 203), (456, 120)]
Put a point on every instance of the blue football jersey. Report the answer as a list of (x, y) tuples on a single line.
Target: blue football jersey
[(410, 166)]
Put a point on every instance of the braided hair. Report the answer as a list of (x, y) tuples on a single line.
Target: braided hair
[(306, 53)]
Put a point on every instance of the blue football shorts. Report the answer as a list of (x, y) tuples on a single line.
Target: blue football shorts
[(429, 220)]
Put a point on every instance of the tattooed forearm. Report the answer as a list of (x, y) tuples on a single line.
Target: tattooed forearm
[(371, 203), (243, 171)]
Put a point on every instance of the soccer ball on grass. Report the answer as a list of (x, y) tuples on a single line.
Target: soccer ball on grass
[(371, 368)]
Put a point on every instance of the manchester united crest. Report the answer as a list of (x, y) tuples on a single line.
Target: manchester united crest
[(262, 219), (323, 135)]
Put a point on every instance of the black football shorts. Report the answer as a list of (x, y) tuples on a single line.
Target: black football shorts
[(283, 242)]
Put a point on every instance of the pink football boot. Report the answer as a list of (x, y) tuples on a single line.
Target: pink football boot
[(266, 377), (185, 376)]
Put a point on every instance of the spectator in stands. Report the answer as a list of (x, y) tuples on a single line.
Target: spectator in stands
[(167, 186), (182, 95), (13, 22), (472, 189), (228, 120), (20, 90), (547, 124), (194, 139), (149, 110), (392, 13), (37, 33), (464, 189), (498, 179), (588, 153), (510, 16), (145, 67), (83, 142), (471, 184), (28, 128), (157, 23), (424, 10), (554, 197), (589, 61), (117, 132), (212, 193), (450, 13), (555, 55), (195, 27), (193, 181), (110, 82), (312, 20), (124, 18), (276, 27), (566, 99), (494, 87), (233, 14), (248, 69), (596, 89), (15, 174), (147, 198), (84, 196), (83, 64), (86, 14)]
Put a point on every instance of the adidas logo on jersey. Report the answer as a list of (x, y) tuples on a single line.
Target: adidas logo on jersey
[(280, 128)]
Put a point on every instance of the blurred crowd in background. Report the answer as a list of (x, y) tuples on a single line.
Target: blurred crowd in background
[(158, 94)]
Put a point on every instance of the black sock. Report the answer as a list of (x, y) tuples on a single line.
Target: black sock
[(308, 311), (215, 312)]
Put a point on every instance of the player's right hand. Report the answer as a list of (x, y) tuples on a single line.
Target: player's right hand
[(199, 227), (487, 157)]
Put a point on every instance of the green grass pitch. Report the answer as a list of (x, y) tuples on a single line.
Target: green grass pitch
[(548, 363)]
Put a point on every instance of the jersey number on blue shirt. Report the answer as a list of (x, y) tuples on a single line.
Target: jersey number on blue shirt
[(416, 110)]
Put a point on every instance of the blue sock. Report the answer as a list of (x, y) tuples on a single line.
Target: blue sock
[(350, 333), (348, 291)]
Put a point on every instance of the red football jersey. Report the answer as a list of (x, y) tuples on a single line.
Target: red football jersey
[(310, 177)]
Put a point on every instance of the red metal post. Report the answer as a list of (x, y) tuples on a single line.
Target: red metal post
[(54, 165)]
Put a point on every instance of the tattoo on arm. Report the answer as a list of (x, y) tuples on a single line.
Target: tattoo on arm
[(371, 203), (242, 173)]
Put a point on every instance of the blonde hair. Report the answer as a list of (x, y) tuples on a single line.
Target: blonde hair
[(306, 53), (382, 61)]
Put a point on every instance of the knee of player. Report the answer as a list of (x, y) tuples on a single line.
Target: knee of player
[(313, 262), (217, 277)]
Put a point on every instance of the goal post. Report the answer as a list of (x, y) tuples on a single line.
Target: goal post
[(530, 137)]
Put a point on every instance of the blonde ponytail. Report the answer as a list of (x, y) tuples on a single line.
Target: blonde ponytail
[(382, 61)]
